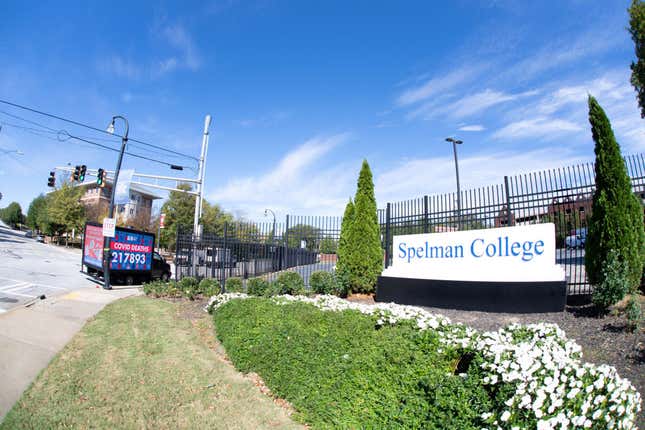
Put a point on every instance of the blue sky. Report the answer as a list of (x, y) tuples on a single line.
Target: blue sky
[(301, 92)]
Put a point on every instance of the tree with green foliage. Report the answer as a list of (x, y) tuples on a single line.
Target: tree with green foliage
[(65, 212), (342, 254), (616, 223), (328, 245), (306, 233), (180, 211), (637, 30), (36, 207), (214, 218), (365, 253), (12, 214)]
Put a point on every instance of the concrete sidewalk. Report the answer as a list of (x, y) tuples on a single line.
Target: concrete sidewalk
[(31, 336)]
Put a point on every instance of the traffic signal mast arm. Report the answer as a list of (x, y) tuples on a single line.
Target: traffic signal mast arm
[(110, 175)]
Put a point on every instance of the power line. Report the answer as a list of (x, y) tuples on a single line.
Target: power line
[(64, 136), (93, 128)]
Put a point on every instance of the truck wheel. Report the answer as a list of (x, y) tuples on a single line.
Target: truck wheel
[(129, 280), (165, 276)]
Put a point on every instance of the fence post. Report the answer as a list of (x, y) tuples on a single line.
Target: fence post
[(426, 214), (223, 259), (387, 236), (507, 190), (177, 252), (286, 246)]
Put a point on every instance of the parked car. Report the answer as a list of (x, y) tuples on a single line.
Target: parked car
[(29, 234), (40, 239), (577, 239)]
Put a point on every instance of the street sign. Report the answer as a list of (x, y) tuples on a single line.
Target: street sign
[(109, 224), (162, 221)]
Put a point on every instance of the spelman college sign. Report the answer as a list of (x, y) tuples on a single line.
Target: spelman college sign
[(502, 269)]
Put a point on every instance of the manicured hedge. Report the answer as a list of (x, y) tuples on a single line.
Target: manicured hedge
[(349, 365), (341, 373)]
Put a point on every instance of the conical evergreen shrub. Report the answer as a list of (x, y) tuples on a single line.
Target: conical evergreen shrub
[(342, 264), (616, 222), (365, 257)]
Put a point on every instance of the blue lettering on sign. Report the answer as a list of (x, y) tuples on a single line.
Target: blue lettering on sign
[(502, 246)]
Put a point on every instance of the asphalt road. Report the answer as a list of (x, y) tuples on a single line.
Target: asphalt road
[(29, 269)]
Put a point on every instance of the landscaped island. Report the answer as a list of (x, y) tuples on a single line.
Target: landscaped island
[(348, 365)]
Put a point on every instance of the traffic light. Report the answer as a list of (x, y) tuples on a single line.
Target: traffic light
[(51, 181), (77, 173), (101, 176), (81, 173)]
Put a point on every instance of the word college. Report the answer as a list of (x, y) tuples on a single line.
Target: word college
[(501, 247)]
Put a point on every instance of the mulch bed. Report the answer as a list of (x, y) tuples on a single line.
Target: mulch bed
[(604, 339)]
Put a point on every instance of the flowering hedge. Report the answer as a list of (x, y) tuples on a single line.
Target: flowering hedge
[(533, 373)]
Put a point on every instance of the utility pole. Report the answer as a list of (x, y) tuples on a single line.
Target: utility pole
[(200, 179)]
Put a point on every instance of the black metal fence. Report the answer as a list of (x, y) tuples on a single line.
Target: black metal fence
[(562, 196), (246, 249), (306, 244)]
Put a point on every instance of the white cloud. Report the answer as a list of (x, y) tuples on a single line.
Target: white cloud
[(478, 102), (177, 36), (299, 183), (474, 127), (540, 127), (120, 67), (437, 85), (562, 53)]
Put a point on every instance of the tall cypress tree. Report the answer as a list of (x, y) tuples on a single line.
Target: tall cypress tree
[(365, 256), (617, 216), (342, 264), (637, 31)]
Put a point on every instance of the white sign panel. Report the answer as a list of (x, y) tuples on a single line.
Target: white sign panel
[(122, 195), (109, 225), (508, 254)]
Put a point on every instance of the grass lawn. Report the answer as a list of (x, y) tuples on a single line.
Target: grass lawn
[(139, 364)]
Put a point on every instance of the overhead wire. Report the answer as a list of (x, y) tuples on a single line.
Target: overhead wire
[(64, 135), (80, 124)]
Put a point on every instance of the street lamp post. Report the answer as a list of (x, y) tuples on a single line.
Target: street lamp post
[(456, 142), (107, 240), (273, 230)]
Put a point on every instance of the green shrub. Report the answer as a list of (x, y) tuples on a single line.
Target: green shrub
[(160, 288), (616, 221), (257, 286), (614, 285), (340, 372), (234, 285), (273, 289), (365, 255), (342, 254), (322, 282), (633, 313), (188, 287), (290, 283), (209, 287)]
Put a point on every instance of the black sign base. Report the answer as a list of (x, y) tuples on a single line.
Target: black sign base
[(515, 297)]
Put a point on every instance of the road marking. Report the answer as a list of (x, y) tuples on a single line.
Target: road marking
[(50, 286), (18, 294), (71, 296), (9, 287)]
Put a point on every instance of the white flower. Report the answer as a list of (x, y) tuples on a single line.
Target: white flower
[(505, 416)]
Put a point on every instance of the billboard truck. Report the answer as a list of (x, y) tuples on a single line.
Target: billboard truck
[(132, 257)]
